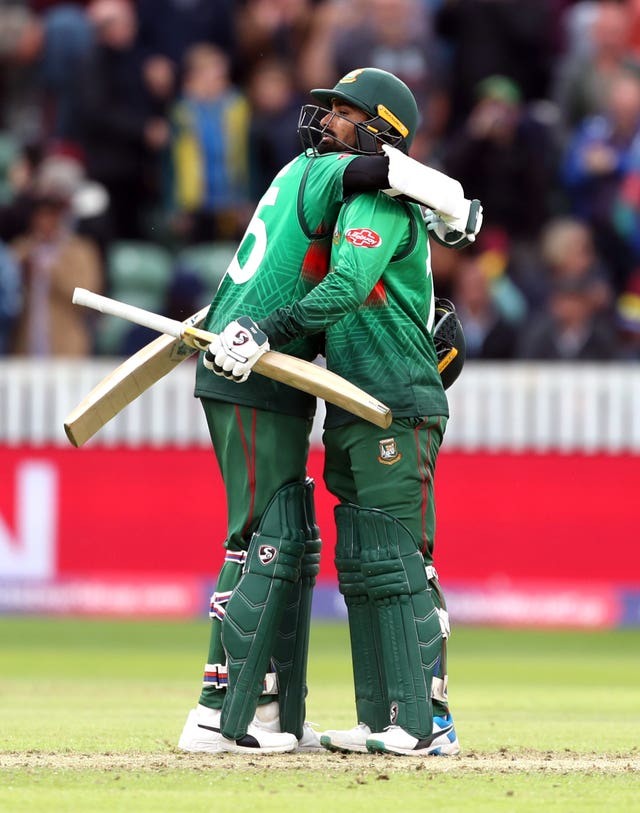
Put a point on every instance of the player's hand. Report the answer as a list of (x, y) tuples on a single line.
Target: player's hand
[(457, 233), (234, 351)]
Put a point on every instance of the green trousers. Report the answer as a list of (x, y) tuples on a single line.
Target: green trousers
[(389, 469), (258, 452), (393, 470)]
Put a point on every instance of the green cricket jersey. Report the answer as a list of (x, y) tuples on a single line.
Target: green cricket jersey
[(283, 255), (376, 306)]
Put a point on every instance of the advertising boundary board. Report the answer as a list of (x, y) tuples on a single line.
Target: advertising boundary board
[(541, 539)]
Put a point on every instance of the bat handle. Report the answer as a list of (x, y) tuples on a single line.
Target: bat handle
[(112, 307)]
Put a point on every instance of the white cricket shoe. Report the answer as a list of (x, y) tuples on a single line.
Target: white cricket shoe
[(446, 741), (259, 740), (395, 740), (352, 740), (268, 716), (201, 734), (310, 740)]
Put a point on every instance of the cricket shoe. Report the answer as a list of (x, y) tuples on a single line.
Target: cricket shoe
[(347, 742), (395, 740), (268, 716), (201, 734), (310, 740), (445, 742)]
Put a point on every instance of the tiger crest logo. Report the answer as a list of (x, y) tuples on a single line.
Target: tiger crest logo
[(352, 76), (388, 452)]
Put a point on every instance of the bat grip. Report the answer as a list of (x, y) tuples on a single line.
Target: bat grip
[(103, 304)]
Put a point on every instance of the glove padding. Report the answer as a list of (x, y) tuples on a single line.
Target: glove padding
[(457, 233), (236, 349)]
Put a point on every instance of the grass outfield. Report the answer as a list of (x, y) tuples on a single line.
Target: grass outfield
[(90, 712)]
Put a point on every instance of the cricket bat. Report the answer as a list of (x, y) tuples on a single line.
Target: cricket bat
[(181, 339)]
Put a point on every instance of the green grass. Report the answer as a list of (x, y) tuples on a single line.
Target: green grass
[(90, 712)]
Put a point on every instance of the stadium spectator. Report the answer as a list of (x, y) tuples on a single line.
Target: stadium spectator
[(124, 128), (570, 329), (168, 28), (599, 155), (53, 260), (42, 57), (208, 173), (488, 333), (272, 29), (509, 37), (273, 139), (568, 252), (394, 35), (583, 78), (501, 156)]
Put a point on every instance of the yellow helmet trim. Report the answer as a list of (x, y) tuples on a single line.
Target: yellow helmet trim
[(394, 121)]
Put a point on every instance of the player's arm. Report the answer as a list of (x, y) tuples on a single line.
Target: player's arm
[(356, 267), (358, 261), (458, 219)]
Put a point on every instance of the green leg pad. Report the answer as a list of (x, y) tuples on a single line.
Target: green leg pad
[(410, 633), (370, 689), (291, 649), (255, 609)]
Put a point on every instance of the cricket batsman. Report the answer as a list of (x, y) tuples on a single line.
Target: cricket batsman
[(254, 684)]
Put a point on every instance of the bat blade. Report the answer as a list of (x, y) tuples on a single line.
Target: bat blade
[(126, 382)]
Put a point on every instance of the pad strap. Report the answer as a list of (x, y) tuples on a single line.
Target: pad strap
[(217, 675)]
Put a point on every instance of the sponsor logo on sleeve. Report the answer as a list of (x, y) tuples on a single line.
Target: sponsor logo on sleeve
[(363, 238)]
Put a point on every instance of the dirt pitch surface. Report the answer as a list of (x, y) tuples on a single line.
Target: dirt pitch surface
[(533, 762)]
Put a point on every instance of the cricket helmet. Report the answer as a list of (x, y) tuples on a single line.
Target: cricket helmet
[(449, 341), (389, 102)]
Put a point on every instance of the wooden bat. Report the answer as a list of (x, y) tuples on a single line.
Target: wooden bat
[(181, 339)]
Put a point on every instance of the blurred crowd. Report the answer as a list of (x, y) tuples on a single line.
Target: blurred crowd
[(137, 137)]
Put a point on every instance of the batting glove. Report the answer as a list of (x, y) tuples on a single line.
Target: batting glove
[(233, 352), (457, 233)]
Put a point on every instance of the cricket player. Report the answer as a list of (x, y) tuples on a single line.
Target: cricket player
[(376, 308), (254, 685)]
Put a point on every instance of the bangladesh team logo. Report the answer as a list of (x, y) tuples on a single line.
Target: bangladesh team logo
[(389, 453), (363, 238), (266, 554)]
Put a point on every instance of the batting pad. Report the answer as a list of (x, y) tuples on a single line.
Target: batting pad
[(254, 611), (291, 650), (407, 617), (368, 676)]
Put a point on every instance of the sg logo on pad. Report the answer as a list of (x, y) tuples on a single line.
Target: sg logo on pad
[(266, 554)]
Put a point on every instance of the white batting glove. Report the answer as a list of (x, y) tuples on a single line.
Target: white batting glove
[(455, 233), (236, 349)]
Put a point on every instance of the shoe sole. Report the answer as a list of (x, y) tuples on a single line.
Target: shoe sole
[(201, 748), (231, 747), (329, 745), (378, 747)]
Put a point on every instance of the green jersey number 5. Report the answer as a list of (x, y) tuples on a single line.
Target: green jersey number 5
[(251, 251)]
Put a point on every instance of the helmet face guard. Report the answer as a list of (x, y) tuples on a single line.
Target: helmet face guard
[(370, 135)]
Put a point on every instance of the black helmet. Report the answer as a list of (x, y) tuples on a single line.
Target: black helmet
[(389, 102), (448, 338)]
